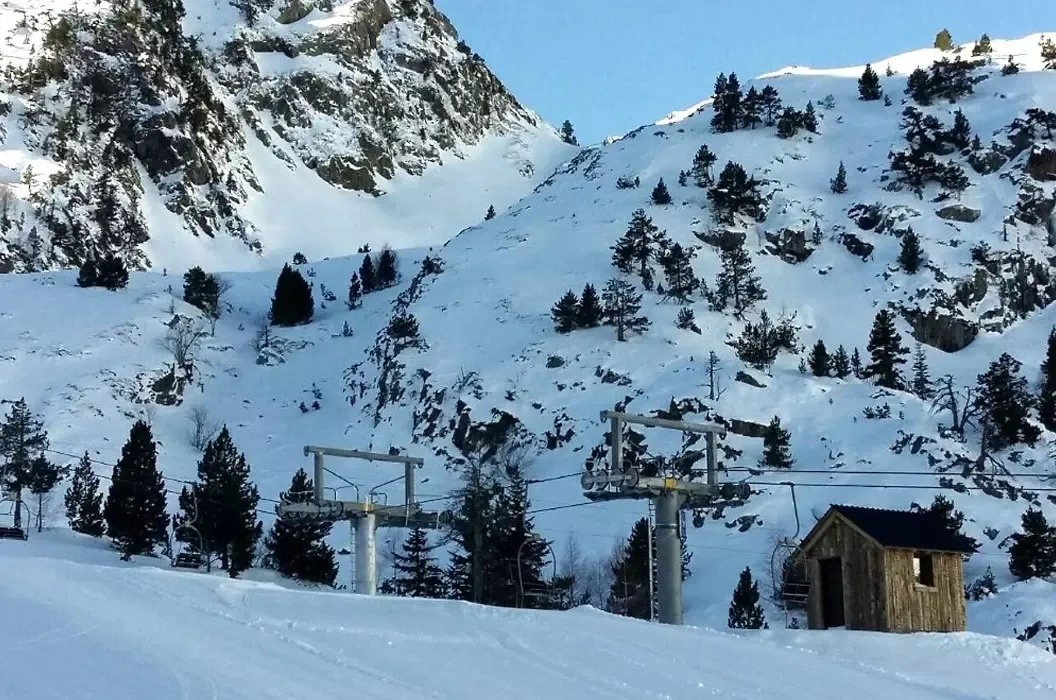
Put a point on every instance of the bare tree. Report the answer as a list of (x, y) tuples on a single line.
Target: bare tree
[(264, 337), (216, 305), (203, 427), (184, 337), (715, 389), (960, 403)]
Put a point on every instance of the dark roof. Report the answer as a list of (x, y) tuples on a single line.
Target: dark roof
[(905, 529)]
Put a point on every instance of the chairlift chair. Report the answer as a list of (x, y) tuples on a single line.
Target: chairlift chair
[(189, 553), (8, 529), (790, 586)]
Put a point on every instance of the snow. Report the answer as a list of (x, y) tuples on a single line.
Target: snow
[(135, 631)]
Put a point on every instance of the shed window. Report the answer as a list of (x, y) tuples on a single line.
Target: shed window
[(924, 569)]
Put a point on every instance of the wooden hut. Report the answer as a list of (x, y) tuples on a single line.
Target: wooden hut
[(884, 570)]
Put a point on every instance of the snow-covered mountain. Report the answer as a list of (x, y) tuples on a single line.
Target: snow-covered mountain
[(487, 362), (232, 134)]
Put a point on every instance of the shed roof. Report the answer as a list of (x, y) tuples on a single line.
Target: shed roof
[(901, 529)]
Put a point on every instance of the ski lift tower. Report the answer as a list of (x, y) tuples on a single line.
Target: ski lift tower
[(668, 494), (366, 516)]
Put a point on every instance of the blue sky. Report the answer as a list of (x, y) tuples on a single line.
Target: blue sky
[(612, 65)]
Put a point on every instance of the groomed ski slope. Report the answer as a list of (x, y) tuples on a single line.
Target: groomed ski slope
[(78, 624)]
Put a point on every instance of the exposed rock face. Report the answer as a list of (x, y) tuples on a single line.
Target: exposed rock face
[(1041, 165), (722, 239), (959, 212), (856, 246), (791, 246), (941, 329)]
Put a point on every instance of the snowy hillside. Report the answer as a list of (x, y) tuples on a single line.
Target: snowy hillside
[(289, 126), (135, 632), (488, 362)]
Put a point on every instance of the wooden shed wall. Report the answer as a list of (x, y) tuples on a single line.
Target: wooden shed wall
[(915, 608), (864, 597)]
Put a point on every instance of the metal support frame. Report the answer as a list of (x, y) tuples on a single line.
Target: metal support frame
[(365, 516), (669, 495)]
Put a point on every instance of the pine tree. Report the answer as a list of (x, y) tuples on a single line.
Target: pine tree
[(1033, 551), (292, 304), (415, 573), (810, 118), (642, 243), (297, 548), (949, 518), (660, 193), (1047, 398), (622, 306), (910, 253), (737, 283), (869, 85), (771, 103), (475, 568), (202, 291), (841, 363), (735, 194), (701, 169), (590, 313), (22, 435), (355, 292), (387, 271), (687, 320), (1004, 401), (856, 363), (838, 184), (982, 47), (921, 385), (367, 275), (819, 361), (960, 134), (402, 326), (517, 544), (224, 503), (752, 109), (682, 283), (565, 313), (490, 213), (84, 501), (1010, 68), (727, 103), (745, 611), (88, 275), (944, 41), (42, 478), (886, 352), (135, 506), (776, 440), (568, 133), (112, 273), (918, 86), (1048, 54), (629, 592)]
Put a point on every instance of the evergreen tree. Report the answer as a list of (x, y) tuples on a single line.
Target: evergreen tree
[(810, 118), (622, 307), (355, 292), (88, 275), (735, 194), (135, 506), (1048, 54), (402, 326), (910, 253), (789, 123), (960, 134), (687, 320), (982, 47), (701, 169), (660, 193), (475, 569), (745, 610), (297, 548), (1004, 401), (590, 313), (490, 213), (944, 41), (387, 270), (43, 477), (682, 283), (886, 352), (367, 275), (84, 501), (727, 103), (949, 518), (918, 86), (869, 85), (771, 103), (415, 573), (838, 184), (1047, 399), (921, 385), (565, 313), (819, 361), (776, 446), (292, 304), (112, 273), (202, 291), (752, 109), (517, 545), (759, 343), (841, 363), (737, 283), (568, 133), (629, 592), (1010, 68), (856, 363), (22, 435), (642, 243), (1033, 551), (224, 503)]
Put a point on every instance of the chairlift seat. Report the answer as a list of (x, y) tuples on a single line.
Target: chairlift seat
[(187, 561), (13, 533)]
